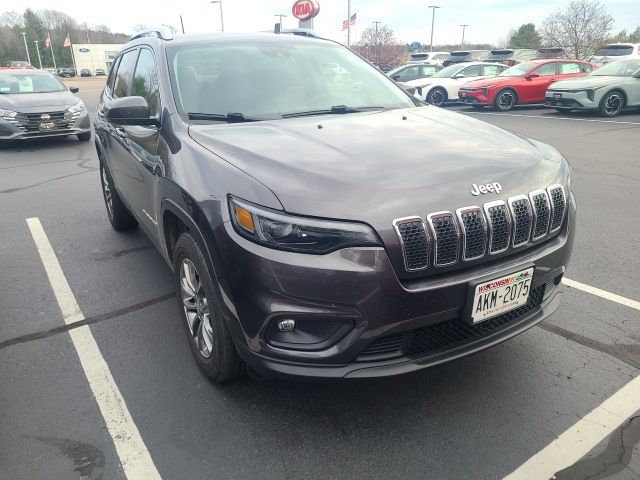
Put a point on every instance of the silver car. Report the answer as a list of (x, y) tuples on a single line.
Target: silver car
[(609, 89)]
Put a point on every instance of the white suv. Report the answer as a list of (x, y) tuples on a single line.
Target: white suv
[(615, 51)]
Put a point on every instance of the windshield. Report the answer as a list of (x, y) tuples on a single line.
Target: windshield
[(621, 68), (614, 51), (29, 83), (518, 70), (449, 71), (266, 80)]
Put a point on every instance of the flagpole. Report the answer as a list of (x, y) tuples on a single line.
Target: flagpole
[(73, 57), (52, 55), (349, 23)]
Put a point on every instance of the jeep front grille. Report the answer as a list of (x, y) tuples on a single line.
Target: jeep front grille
[(474, 232)]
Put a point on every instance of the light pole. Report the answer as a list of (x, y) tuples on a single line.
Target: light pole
[(376, 22), (280, 16), (24, 37), (38, 50), (221, 15), (433, 19), (464, 26)]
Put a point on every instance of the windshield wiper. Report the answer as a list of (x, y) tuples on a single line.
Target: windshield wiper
[(339, 109), (231, 117)]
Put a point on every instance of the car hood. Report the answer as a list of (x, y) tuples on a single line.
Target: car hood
[(487, 82), (26, 102), (378, 166), (587, 82)]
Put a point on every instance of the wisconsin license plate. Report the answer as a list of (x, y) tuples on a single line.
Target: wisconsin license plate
[(500, 295)]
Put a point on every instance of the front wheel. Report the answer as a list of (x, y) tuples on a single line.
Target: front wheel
[(611, 104), (505, 100), (199, 301), (437, 97)]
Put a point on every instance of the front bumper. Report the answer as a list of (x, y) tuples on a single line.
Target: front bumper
[(25, 127), (360, 288), (570, 100), (473, 97)]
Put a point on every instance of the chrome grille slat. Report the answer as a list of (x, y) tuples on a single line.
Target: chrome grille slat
[(446, 238), (541, 213), (522, 217), (474, 232), (558, 206), (499, 221), (415, 242)]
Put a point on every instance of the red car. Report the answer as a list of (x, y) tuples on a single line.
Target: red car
[(521, 84)]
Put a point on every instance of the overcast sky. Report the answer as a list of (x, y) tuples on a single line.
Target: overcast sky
[(488, 20)]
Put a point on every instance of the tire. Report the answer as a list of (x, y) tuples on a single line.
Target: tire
[(611, 104), (505, 100), (199, 302), (84, 136), (437, 97), (119, 215)]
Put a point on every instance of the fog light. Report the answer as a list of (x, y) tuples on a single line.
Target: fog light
[(287, 325)]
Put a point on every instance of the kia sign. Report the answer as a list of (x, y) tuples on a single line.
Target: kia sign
[(305, 9)]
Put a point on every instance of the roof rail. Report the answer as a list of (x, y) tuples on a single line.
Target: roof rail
[(160, 32), (303, 32)]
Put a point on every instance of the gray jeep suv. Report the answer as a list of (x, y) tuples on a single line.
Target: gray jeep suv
[(323, 227)]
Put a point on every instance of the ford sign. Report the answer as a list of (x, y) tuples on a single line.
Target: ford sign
[(83, 50), (305, 9)]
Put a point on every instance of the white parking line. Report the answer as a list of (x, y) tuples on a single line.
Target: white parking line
[(553, 118), (575, 442), (578, 440), (602, 293), (134, 456)]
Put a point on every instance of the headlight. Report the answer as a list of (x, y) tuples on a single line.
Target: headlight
[(78, 107), (297, 234), (8, 113)]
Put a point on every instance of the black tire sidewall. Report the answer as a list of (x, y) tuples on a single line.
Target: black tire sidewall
[(120, 217)]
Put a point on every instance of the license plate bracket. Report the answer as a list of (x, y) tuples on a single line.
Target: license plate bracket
[(495, 295)]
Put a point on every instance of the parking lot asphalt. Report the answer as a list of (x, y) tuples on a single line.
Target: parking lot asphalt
[(480, 417)]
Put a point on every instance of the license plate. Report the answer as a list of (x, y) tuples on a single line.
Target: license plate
[(47, 126), (500, 295), (557, 96)]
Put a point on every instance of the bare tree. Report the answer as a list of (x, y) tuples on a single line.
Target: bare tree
[(379, 46), (580, 28), (11, 19), (56, 19)]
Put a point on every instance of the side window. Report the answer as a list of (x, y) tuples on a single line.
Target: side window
[(546, 70), (112, 75), (408, 72), (125, 74), (586, 67), (569, 67), (490, 70), (145, 80), (473, 71), (427, 70)]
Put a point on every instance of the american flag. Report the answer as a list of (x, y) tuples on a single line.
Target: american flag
[(352, 21), (67, 41), (47, 42)]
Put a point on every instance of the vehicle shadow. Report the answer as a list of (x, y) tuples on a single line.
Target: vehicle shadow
[(34, 144)]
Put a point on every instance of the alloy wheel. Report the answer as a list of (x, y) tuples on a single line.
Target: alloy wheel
[(436, 98), (613, 104), (506, 100), (196, 308), (106, 190)]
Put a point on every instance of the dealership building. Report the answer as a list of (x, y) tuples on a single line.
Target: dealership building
[(92, 56)]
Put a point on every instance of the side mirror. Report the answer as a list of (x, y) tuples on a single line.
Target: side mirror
[(396, 77), (74, 89), (532, 75), (129, 111), (458, 75), (407, 88)]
